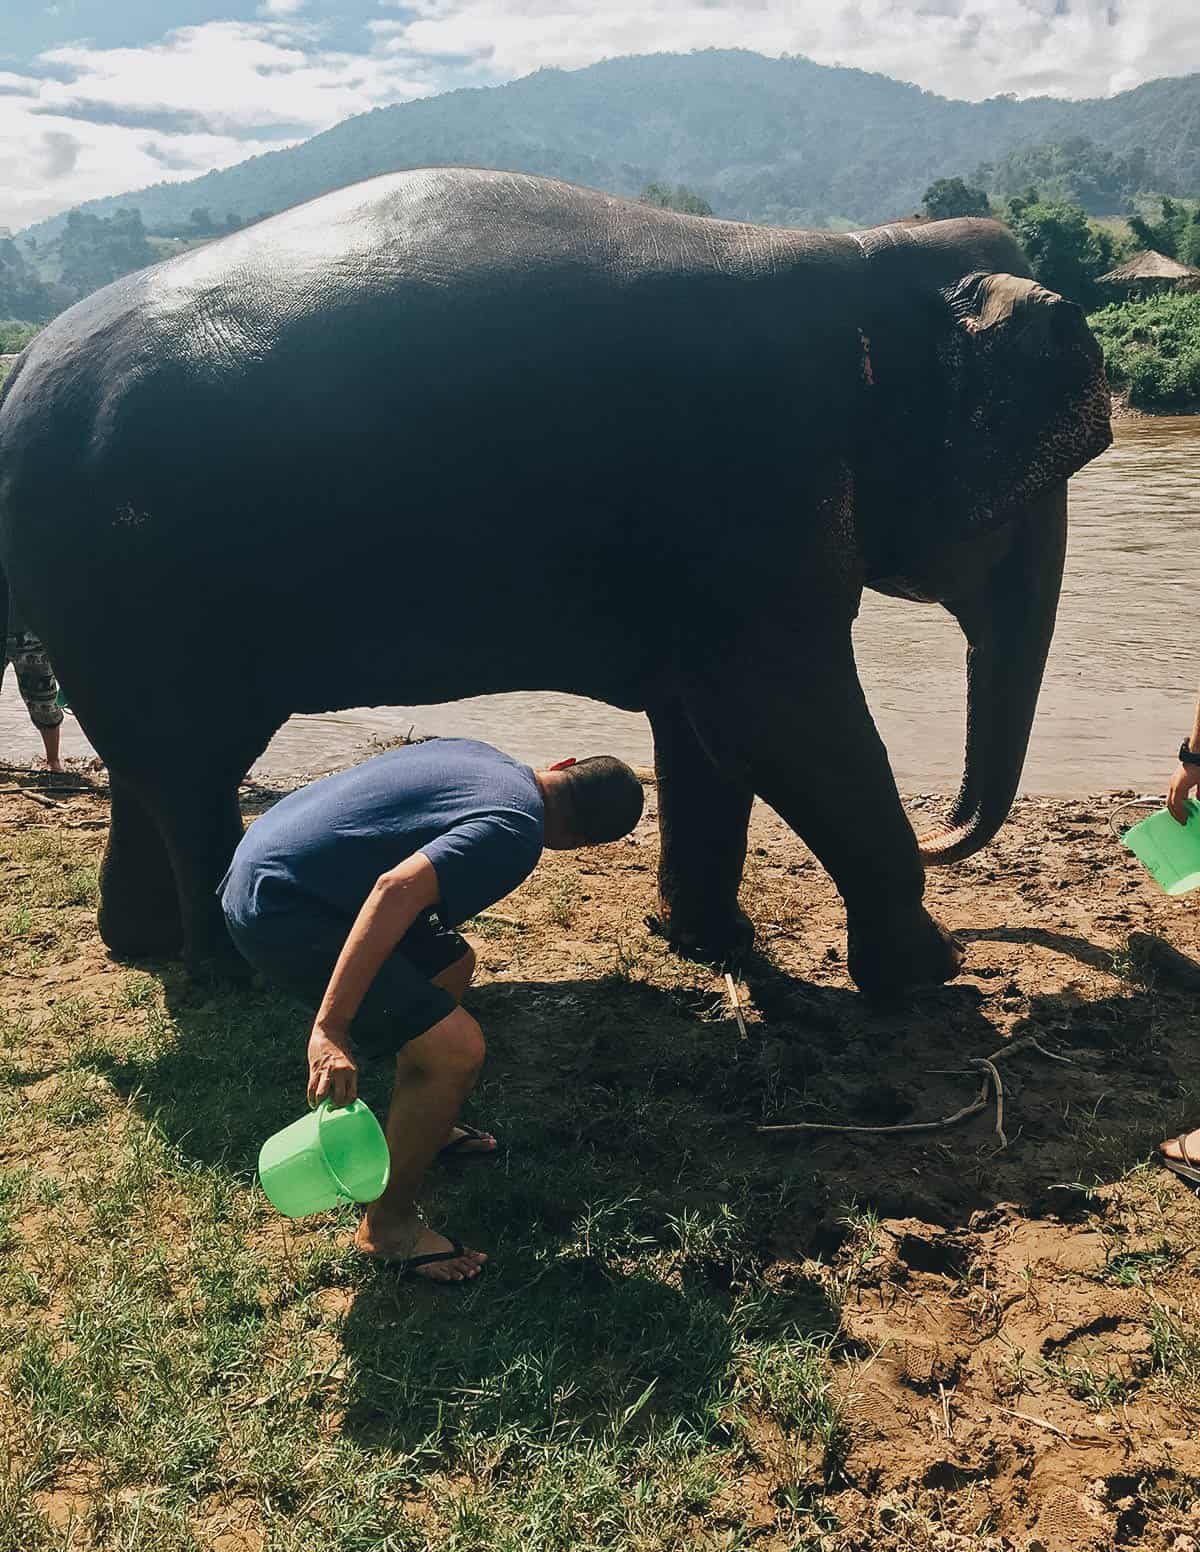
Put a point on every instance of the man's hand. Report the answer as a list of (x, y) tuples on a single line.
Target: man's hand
[(332, 1071), (1185, 781)]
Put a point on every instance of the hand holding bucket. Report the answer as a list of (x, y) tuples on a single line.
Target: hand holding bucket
[(1169, 851), (327, 1158)]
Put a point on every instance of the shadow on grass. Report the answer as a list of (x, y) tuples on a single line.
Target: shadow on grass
[(616, 1090), (627, 1236)]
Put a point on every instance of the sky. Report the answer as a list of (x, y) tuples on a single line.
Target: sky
[(104, 96)]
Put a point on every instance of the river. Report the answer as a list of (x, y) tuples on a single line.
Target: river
[(1117, 696)]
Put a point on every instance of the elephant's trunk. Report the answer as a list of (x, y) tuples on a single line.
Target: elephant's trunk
[(1008, 623)]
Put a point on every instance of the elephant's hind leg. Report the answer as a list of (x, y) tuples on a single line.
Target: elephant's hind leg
[(139, 903), (702, 817)]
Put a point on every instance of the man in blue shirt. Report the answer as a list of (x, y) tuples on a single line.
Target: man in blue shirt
[(347, 892)]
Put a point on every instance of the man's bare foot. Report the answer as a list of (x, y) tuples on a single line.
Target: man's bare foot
[(483, 1143), (1188, 1155), (410, 1238), (56, 767)]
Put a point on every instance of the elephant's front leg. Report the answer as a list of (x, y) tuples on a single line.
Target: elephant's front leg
[(702, 818), (792, 709)]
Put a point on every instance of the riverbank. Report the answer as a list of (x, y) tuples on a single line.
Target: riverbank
[(690, 1334)]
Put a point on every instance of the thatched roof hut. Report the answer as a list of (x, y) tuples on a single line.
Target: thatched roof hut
[(1148, 273)]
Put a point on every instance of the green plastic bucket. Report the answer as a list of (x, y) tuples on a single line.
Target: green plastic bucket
[(330, 1156), (1169, 851)]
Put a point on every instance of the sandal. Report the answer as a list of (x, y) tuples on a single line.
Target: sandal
[(455, 1149), (404, 1266), (1186, 1166)]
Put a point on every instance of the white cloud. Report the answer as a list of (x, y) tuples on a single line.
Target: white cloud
[(206, 96), (202, 97)]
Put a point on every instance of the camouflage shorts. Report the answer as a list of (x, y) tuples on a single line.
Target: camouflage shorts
[(35, 677)]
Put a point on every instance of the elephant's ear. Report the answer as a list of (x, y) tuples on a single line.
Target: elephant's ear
[(1027, 405), (981, 397)]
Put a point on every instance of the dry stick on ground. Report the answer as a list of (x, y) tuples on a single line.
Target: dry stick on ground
[(737, 1005), (993, 1079), (34, 797)]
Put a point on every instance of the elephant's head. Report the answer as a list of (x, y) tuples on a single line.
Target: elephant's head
[(968, 506)]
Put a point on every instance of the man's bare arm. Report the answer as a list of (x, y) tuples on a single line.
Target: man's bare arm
[(1187, 777), (397, 899)]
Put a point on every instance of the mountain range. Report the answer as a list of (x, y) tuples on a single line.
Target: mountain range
[(762, 139)]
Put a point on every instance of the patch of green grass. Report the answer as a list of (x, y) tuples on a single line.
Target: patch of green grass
[(166, 1338), (561, 902), (79, 1096), (1175, 1348), (789, 1380), (1134, 1268), (1096, 1385)]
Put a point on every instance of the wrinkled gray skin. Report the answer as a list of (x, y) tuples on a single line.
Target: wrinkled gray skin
[(450, 432)]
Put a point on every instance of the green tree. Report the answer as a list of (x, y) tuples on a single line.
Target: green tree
[(1074, 171), (96, 250), (952, 197), (22, 294), (1173, 233), (682, 199), (1066, 250)]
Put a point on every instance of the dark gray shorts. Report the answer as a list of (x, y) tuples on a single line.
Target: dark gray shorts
[(297, 950)]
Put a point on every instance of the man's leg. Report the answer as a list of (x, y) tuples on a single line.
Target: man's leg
[(434, 1074), (455, 979)]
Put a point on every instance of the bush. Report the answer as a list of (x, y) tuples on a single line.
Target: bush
[(1152, 349)]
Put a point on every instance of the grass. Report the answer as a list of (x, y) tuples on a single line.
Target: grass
[(686, 1337), (177, 1364)]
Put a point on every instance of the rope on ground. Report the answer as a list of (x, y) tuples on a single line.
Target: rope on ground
[(982, 1061), (991, 1085)]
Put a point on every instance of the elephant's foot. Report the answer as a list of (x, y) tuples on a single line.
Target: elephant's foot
[(893, 954), (712, 939), (131, 932)]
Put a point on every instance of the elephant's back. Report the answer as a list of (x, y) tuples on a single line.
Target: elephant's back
[(361, 317), (313, 399)]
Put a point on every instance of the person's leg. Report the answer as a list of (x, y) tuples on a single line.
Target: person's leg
[(434, 1074), (50, 743), (39, 691), (455, 979)]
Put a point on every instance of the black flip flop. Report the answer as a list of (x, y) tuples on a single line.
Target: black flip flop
[(404, 1266), (455, 1150)]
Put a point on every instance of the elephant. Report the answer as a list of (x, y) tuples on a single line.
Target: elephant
[(451, 431)]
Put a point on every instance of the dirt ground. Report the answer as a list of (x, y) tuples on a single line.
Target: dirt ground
[(1011, 1302)]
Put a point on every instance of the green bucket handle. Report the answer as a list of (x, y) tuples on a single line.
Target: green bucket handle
[(1147, 802)]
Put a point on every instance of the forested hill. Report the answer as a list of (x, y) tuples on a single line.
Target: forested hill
[(776, 140)]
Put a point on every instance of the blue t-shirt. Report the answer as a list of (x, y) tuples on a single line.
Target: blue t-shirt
[(474, 812)]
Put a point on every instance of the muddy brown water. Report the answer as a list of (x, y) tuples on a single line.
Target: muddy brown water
[(1116, 700)]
